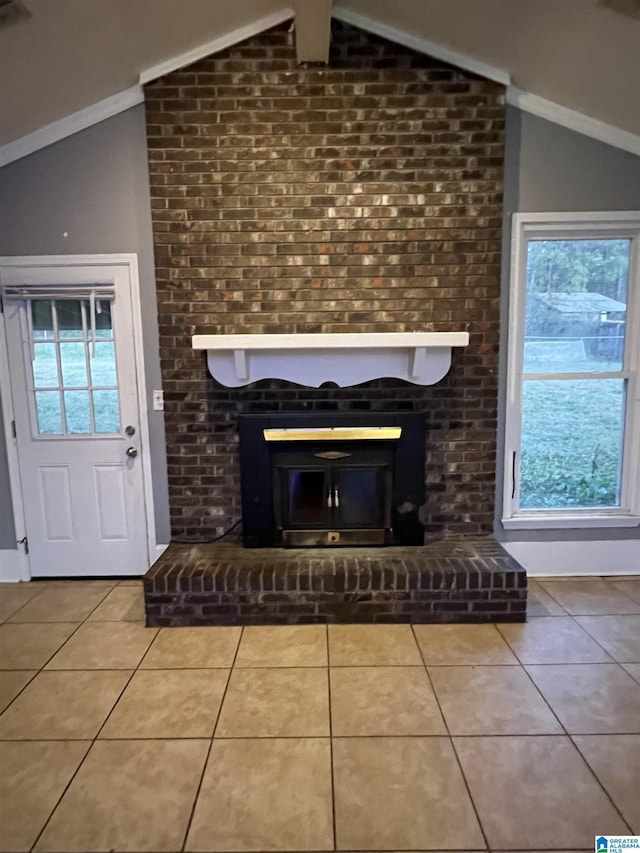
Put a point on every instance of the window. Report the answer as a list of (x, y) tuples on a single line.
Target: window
[(572, 404), (75, 388)]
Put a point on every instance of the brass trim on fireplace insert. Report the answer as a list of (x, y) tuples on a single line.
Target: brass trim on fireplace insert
[(335, 538), (332, 433)]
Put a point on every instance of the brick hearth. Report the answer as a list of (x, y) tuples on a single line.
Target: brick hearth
[(453, 580)]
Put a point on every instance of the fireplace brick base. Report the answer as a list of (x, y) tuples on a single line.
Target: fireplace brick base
[(466, 580)]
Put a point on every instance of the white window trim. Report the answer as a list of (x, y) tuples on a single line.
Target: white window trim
[(567, 226)]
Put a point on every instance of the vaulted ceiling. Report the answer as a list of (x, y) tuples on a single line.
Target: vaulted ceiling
[(70, 54)]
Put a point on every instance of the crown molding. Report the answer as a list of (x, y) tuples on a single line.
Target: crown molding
[(67, 126), (572, 120), (218, 44), (422, 45)]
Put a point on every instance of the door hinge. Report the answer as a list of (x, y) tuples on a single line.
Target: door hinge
[(13, 429), (24, 541)]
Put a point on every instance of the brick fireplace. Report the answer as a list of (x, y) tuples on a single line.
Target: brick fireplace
[(365, 196), (361, 197)]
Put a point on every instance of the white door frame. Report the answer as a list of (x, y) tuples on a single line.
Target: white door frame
[(18, 566)]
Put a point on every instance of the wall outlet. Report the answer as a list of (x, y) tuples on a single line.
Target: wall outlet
[(158, 401)]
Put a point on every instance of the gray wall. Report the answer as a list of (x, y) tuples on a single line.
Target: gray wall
[(551, 169), (94, 187)]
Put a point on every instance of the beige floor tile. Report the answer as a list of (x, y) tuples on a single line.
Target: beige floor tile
[(620, 635), (124, 603), (64, 602), (383, 701), (283, 645), (104, 645), (13, 596), (540, 603), (33, 777), (128, 795), (11, 683), (535, 793), (401, 794), (85, 583), (63, 706), (449, 645), (199, 648), (265, 794), (287, 702), (595, 698), (29, 646), (565, 578), (615, 759), (557, 640), (630, 588), (590, 597), (373, 645), (166, 703), (630, 577), (633, 669), (491, 700)]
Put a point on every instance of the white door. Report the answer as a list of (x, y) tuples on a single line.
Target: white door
[(73, 380)]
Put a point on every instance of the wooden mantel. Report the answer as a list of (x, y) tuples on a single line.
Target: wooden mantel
[(346, 359)]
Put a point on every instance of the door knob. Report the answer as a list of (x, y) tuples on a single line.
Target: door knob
[(131, 452)]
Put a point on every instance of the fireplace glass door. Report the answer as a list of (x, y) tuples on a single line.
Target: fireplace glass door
[(308, 493), (316, 495)]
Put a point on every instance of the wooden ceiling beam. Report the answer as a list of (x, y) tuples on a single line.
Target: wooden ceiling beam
[(313, 30)]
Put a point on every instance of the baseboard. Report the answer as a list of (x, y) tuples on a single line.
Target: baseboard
[(600, 557), (14, 566)]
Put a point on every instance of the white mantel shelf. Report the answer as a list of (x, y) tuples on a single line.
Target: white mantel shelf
[(346, 359)]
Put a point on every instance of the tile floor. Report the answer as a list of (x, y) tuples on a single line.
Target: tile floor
[(117, 737)]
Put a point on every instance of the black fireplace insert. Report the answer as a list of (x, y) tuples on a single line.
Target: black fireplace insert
[(317, 480)]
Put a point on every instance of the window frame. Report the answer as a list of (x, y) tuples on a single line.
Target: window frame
[(567, 226)]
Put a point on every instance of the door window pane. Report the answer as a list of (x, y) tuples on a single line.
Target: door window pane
[(106, 412), (69, 313), (576, 305), (45, 366), (49, 413), (103, 364), (572, 434), (104, 329), (42, 319), (76, 404), (73, 362)]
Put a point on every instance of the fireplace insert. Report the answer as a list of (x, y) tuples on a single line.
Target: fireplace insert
[(334, 479), (332, 496)]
